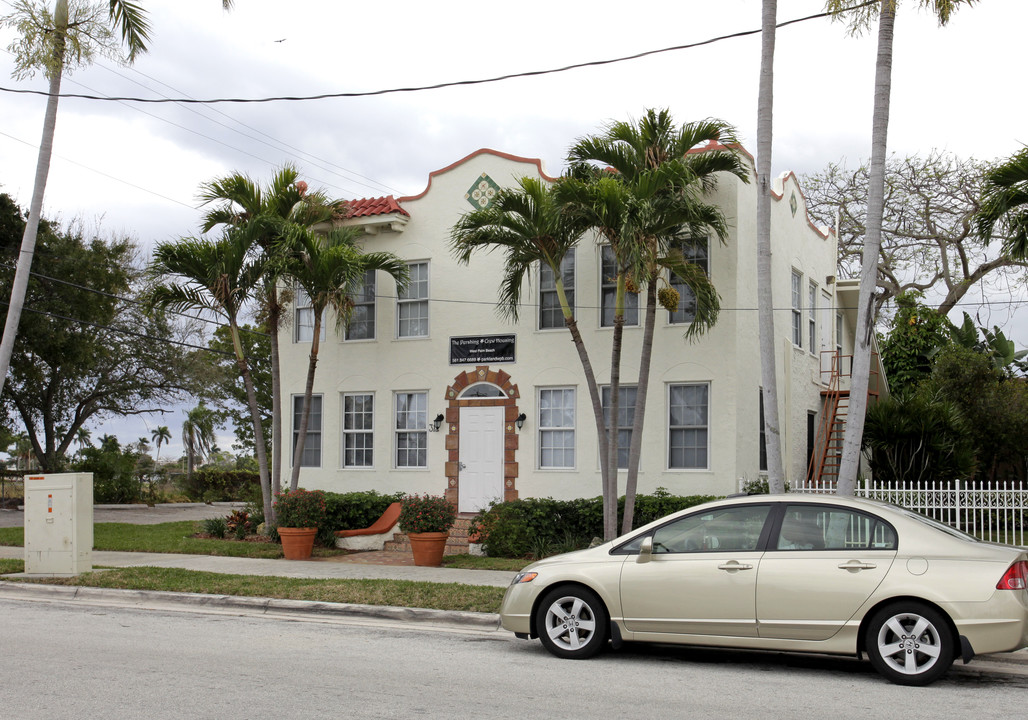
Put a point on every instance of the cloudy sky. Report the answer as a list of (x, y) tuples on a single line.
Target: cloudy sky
[(136, 167)]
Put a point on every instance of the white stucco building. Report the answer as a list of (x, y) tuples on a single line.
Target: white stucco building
[(441, 351)]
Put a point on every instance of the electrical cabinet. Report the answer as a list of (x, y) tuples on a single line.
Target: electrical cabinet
[(59, 524)]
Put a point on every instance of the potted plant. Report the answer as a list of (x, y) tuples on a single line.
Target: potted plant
[(299, 513), (427, 520)]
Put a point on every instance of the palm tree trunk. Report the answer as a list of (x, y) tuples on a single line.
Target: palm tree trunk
[(610, 491), (635, 449), (872, 244), (28, 240), (765, 299), (274, 320), (255, 418), (308, 393)]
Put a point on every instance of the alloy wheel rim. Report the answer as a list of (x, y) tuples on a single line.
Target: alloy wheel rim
[(909, 643)]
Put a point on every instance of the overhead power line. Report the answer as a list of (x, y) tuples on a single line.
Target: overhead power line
[(440, 86)]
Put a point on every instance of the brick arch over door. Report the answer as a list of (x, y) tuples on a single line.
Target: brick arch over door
[(509, 401)]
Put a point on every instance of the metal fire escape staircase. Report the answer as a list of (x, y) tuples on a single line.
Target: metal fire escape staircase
[(827, 456)]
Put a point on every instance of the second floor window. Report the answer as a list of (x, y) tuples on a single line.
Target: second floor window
[(362, 319), (609, 290), (550, 314), (797, 311), (412, 304), (812, 318), (695, 251)]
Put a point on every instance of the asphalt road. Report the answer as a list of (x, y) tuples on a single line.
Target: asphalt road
[(138, 514), (64, 661)]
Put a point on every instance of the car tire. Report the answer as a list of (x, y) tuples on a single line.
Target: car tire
[(572, 622), (910, 643)]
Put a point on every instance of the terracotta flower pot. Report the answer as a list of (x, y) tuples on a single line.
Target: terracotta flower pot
[(428, 548), (297, 543)]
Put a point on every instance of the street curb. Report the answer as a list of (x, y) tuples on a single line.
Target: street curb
[(250, 605)]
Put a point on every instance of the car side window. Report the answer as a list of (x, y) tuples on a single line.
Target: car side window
[(820, 527), (735, 528)]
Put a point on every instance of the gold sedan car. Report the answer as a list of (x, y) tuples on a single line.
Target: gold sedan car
[(797, 573)]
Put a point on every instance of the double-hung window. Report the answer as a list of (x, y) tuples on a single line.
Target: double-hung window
[(626, 416), (812, 318), (411, 429), (312, 441), (550, 313), (557, 428), (362, 318), (696, 251), (304, 320), (797, 309), (688, 426), (358, 430), (609, 291), (412, 304)]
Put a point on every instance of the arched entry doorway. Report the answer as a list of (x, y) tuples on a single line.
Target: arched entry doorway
[(482, 439)]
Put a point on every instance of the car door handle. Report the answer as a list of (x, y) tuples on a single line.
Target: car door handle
[(734, 565), (857, 565)]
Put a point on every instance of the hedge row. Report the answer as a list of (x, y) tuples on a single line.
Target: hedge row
[(537, 527)]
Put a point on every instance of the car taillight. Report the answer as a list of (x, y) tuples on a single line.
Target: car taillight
[(1015, 578)]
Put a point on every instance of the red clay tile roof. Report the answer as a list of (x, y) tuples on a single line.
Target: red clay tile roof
[(365, 207)]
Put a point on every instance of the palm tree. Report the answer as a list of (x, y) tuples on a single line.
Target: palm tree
[(55, 43), (330, 269), (160, 435), (862, 18), (533, 230), (219, 277), (82, 436), (267, 214), (765, 298), (1005, 202), (661, 206), (198, 435)]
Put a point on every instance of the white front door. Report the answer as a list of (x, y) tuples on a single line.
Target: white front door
[(481, 457)]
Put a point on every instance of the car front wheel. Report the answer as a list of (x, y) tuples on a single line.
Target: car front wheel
[(572, 623), (910, 643)]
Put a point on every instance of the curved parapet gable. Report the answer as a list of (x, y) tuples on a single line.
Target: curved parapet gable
[(484, 151), (778, 194)]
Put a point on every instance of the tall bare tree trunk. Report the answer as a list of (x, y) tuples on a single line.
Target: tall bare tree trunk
[(258, 428), (274, 321), (28, 240), (765, 299), (635, 448), (872, 244)]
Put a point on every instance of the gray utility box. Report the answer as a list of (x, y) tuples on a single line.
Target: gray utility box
[(58, 524)]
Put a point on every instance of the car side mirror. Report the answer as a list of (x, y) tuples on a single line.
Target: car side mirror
[(645, 550)]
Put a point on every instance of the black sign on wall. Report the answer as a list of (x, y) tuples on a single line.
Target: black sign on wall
[(482, 349)]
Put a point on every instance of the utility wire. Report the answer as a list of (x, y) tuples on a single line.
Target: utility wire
[(439, 86)]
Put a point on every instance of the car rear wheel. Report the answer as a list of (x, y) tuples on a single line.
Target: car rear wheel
[(572, 623), (910, 643)]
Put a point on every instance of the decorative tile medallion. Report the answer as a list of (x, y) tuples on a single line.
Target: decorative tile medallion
[(793, 204), (482, 193)]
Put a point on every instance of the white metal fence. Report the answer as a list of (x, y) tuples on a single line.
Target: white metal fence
[(993, 512)]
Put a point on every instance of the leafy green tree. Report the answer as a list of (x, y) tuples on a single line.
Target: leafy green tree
[(86, 351), (55, 42), (916, 335), (994, 345), (330, 269), (657, 202), (114, 471), (861, 17)]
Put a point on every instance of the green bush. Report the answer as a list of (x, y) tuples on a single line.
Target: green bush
[(222, 486), (535, 527), (215, 527), (351, 511)]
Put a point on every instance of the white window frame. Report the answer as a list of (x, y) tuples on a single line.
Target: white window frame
[(364, 435), (797, 308), (314, 427), (608, 289), (812, 291), (548, 290), (414, 426), (626, 418), (547, 430), (687, 427), (303, 317), (696, 250), (363, 298), (414, 298)]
